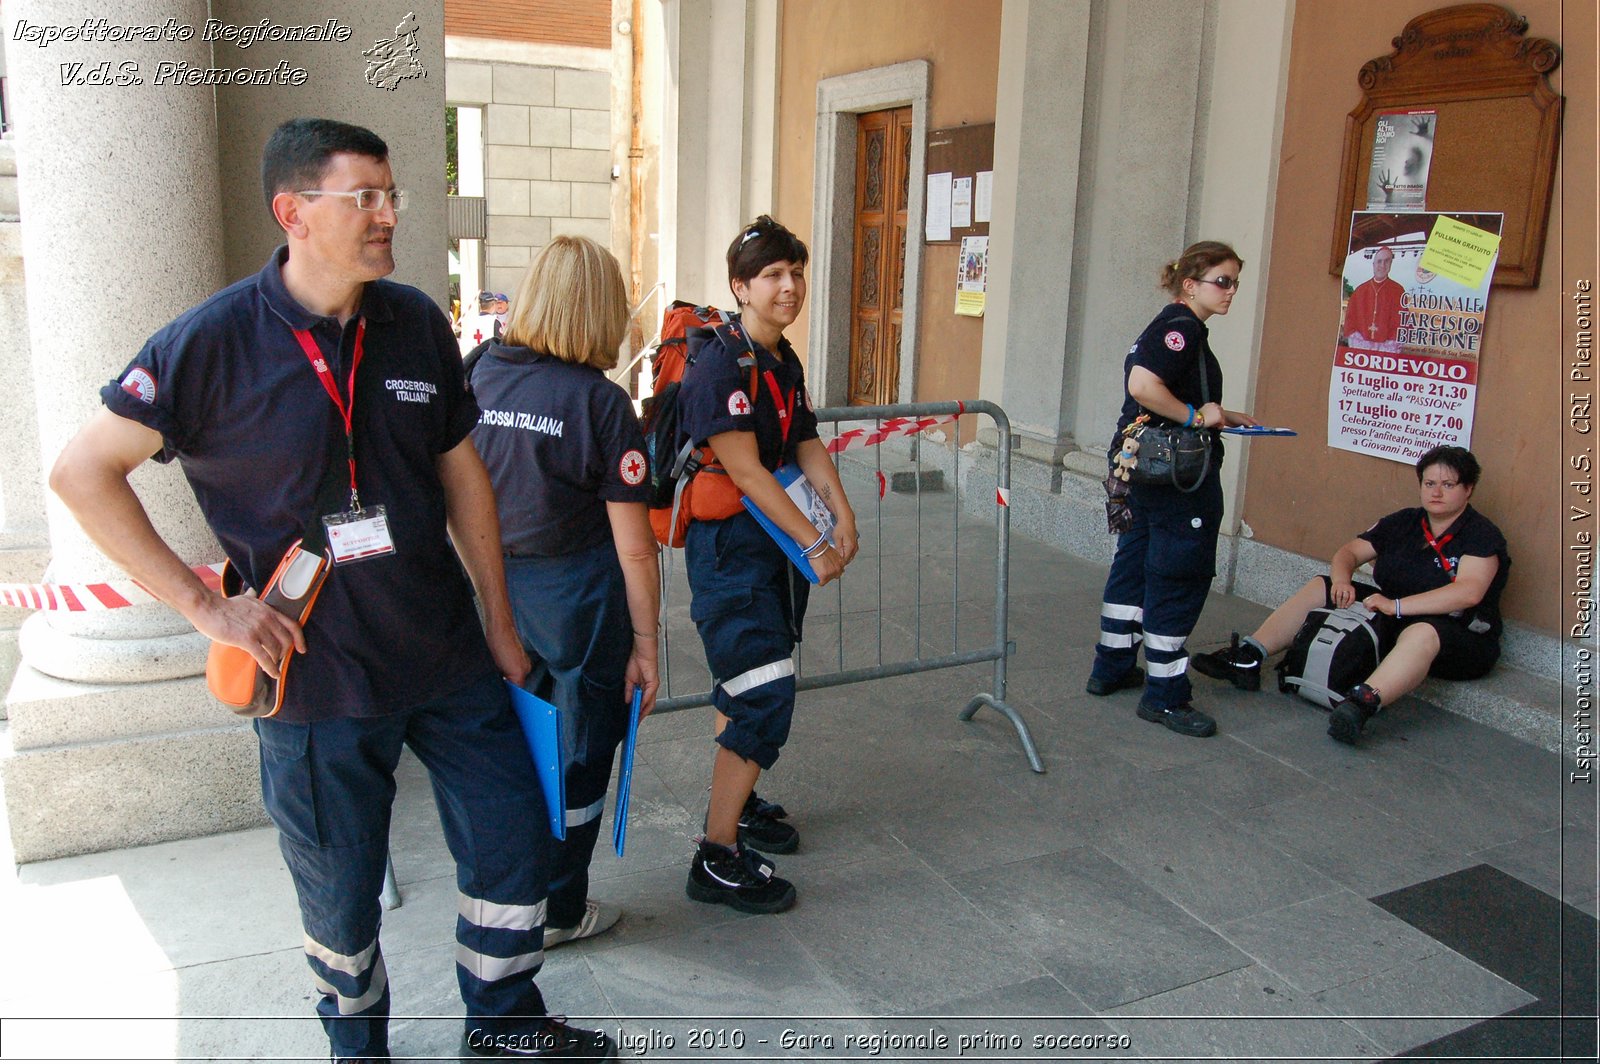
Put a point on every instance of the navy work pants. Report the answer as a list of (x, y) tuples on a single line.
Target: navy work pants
[(748, 604), (1157, 587), (572, 614), (329, 786)]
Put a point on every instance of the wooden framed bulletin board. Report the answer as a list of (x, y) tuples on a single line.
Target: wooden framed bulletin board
[(962, 152), (1496, 132)]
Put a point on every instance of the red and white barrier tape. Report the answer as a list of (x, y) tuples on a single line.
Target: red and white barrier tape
[(898, 426), (115, 594), (89, 598)]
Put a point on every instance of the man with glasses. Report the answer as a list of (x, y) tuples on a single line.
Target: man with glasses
[(317, 402)]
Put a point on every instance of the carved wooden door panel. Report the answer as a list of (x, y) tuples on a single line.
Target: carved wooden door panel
[(877, 296)]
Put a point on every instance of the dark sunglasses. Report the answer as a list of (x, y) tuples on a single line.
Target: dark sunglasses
[(1227, 284)]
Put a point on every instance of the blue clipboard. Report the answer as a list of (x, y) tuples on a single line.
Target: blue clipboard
[(787, 477), (619, 816), (1260, 430), (541, 726)]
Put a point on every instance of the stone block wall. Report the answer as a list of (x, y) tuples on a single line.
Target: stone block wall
[(547, 166)]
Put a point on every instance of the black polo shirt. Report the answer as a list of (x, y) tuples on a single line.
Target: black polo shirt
[(237, 402), (561, 441), (716, 394), (1407, 565), (1172, 347)]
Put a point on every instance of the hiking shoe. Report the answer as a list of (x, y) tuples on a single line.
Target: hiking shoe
[(1134, 677), (761, 827), (598, 916), (550, 1039), (1239, 663), (1184, 719), (741, 879), (1351, 713)]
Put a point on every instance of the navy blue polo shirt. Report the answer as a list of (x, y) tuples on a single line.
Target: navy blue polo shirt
[(560, 441), (237, 402), (716, 397), (1172, 347), (1407, 565)]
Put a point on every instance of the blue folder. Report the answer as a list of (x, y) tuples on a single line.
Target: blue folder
[(619, 817), (541, 725), (812, 506)]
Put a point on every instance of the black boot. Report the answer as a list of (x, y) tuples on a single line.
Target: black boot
[(1351, 713)]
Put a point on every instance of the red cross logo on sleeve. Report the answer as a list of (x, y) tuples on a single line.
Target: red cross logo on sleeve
[(632, 468), (477, 335), (738, 403)]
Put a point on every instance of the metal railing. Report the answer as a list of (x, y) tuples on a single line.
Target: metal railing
[(894, 422)]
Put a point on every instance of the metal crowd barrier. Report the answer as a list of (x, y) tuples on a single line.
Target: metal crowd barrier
[(865, 481)]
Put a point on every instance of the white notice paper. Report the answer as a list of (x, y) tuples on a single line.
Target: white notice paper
[(961, 204), (983, 196), (938, 224)]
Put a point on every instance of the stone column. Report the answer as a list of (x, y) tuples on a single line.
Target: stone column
[(1039, 108), (121, 232), (113, 742)]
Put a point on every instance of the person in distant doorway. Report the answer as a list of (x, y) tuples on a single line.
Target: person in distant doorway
[(1372, 318)]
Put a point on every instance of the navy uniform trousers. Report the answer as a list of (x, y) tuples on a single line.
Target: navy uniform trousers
[(329, 787), (748, 604), (572, 613), (1157, 587)]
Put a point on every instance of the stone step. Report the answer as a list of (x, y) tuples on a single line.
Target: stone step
[(8, 181), (87, 767), (1522, 704)]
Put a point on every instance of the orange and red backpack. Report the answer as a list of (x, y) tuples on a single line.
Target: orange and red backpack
[(678, 494)]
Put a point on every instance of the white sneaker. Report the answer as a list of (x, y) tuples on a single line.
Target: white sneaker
[(598, 916)]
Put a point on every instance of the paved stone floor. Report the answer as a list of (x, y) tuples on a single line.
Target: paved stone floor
[(1266, 894)]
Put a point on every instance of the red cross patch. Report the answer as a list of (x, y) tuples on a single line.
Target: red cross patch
[(140, 384), (738, 403), (1174, 340), (632, 467)]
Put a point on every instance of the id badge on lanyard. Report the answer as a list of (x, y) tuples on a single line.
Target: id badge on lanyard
[(360, 532)]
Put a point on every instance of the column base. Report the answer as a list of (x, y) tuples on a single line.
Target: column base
[(87, 768), (101, 660)]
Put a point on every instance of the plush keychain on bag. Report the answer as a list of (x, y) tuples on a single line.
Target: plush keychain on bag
[(1127, 459)]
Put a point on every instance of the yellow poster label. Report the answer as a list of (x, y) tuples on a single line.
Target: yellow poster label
[(1460, 252)]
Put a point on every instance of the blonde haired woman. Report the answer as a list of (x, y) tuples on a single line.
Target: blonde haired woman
[(567, 463)]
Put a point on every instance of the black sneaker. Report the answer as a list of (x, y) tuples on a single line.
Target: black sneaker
[(761, 827), (1239, 663), (741, 879), (1351, 713), (1134, 677), (1184, 719), (551, 1039)]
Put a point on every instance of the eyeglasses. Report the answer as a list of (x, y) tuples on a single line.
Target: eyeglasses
[(1227, 284), (367, 199)]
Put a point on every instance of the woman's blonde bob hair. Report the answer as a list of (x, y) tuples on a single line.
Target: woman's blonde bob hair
[(571, 304)]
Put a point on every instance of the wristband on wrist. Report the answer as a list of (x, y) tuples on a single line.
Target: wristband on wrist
[(643, 635), (818, 547), (1397, 609)]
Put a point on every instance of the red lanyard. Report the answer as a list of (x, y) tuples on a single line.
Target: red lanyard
[(785, 411), (331, 386), (1438, 547)]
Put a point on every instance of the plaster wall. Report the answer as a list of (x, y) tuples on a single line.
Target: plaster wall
[(1304, 496), (831, 37), (410, 118)]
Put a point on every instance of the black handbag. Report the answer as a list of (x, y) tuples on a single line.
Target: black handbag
[(1172, 455)]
